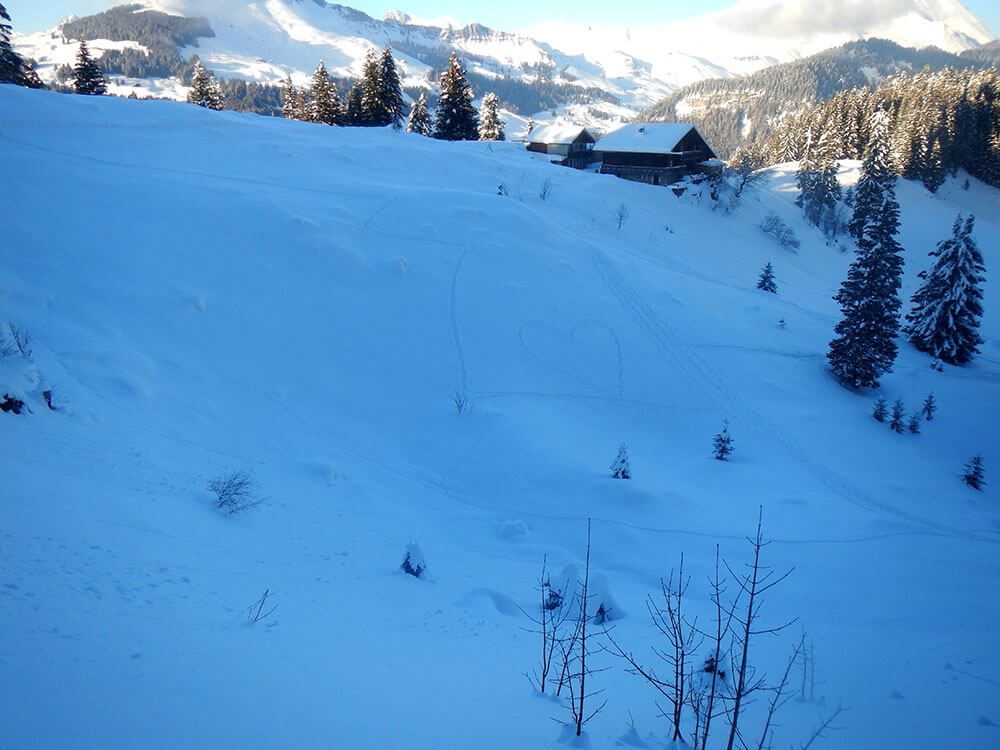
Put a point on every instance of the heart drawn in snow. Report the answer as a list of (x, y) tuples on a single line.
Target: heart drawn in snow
[(589, 354)]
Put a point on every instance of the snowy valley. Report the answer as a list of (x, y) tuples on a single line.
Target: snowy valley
[(207, 292)]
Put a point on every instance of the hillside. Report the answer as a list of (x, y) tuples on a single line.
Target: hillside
[(587, 74), (733, 112), (210, 292)]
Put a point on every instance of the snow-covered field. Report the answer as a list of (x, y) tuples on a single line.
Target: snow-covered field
[(209, 291)]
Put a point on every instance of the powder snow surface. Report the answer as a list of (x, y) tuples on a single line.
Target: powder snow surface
[(211, 292)]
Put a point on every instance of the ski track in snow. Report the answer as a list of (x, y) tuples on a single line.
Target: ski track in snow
[(699, 374), (531, 352), (463, 372)]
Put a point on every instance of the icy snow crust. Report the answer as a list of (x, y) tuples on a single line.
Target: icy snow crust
[(212, 292)]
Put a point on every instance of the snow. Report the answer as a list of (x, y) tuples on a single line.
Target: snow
[(644, 137), (211, 292), (556, 133)]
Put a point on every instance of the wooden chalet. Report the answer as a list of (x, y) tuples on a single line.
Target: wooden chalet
[(571, 142), (659, 153)]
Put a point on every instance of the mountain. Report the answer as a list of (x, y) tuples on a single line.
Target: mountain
[(591, 75), (208, 292), (988, 53), (730, 112)]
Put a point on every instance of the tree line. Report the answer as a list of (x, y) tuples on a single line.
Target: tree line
[(376, 100), (937, 123)]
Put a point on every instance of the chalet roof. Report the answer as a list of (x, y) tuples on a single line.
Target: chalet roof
[(557, 134), (645, 137)]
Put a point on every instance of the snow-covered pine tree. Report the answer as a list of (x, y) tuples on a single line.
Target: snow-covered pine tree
[(898, 413), (947, 308), (975, 474), (914, 424), (13, 68), (419, 120), (372, 109), (324, 103), (490, 124), (621, 468), (88, 78), (456, 118), (204, 88), (880, 410), (722, 443), (821, 209), (391, 92), (766, 280), (301, 110), (932, 171), (865, 346), (929, 407), (354, 112), (289, 98)]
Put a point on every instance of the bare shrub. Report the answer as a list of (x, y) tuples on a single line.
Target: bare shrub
[(553, 613), (774, 226), (545, 189), (234, 491), (21, 339), (621, 214), (262, 608)]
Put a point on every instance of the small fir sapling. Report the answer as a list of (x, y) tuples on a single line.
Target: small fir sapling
[(723, 443), (880, 410), (914, 424), (898, 412), (413, 563), (929, 407), (621, 468), (974, 473), (766, 281)]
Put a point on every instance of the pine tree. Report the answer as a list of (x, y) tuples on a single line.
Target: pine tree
[(914, 424), (490, 124), (865, 346), (204, 88), (289, 99), (13, 68), (722, 443), (456, 117), (621, 468), (932, 171), (354, 113), (391, 92), (947, 308), (324, 104), (880, 410), (419, 120), (372, 109), (821, 209), (929, 407), (898, 412), (88, 78), (974, 472), (766, 280)]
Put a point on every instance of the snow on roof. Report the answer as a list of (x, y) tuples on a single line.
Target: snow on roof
[(645, 137), (556, 133)]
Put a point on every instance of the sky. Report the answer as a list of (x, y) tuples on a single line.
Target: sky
[(510, 15)]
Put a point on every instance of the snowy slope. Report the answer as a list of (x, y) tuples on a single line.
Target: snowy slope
[(209, 291)]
